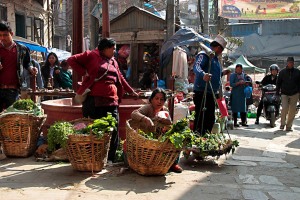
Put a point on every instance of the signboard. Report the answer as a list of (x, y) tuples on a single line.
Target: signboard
[(259, 9), (97, 11)]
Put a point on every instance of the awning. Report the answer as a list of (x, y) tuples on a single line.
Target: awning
[(32, 46)]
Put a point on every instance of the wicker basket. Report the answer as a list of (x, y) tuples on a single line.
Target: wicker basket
[(19, 133), (148, 157), (86, 152)]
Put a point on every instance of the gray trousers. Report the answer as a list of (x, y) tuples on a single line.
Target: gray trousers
[(288, 110)]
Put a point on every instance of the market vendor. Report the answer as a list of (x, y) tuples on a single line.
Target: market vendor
[(150, 113)]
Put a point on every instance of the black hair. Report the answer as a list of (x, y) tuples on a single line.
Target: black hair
[(47, 63), (239, 65), (5, 27), (158, 90), (215, 44), (106, 43), (63, 63)]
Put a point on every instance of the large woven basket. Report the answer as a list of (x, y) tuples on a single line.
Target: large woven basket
[(19, 133), (148, 157), (87, 152)]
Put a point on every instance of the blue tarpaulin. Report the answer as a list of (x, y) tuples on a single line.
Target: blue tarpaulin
[(184, 36), (32, 46)]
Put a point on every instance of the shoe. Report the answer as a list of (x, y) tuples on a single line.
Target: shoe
[(176, 168), (236, 125), (281, 127), (257, 121), (246, 125), (289, 129)]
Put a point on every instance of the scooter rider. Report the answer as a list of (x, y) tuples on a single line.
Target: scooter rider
[(268, 79)]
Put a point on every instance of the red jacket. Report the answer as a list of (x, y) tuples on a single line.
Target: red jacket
[(95, 65)]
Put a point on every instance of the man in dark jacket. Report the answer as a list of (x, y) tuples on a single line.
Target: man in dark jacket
[(13, 59), (288, 84)]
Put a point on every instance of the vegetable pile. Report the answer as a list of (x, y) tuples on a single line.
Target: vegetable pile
[(58, 133), (181, 136), (26, 106)]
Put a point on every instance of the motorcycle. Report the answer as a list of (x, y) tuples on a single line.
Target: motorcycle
[(271, 102)]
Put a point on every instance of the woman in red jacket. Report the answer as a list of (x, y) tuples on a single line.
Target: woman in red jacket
[(106, 84)]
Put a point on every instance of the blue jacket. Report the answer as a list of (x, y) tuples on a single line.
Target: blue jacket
[(201, 67)]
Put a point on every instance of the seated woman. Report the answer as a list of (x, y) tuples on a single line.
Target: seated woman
[(150, 113)]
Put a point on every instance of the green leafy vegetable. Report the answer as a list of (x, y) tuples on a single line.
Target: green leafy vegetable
[(58, 135)]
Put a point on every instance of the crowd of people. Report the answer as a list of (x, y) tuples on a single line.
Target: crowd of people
[(104, 84)]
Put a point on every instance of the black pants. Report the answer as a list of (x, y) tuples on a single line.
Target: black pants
[(209, 113), (8, 97), (90, 110), (259, 109), (243, 117)]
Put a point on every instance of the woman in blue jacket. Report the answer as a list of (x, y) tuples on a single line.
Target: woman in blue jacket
[(238, 99)]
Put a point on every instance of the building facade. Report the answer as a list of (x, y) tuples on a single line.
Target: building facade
[(30, 19)]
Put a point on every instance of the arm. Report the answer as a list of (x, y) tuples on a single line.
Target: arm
[(39, 79), (233, 81), (264, 81), (141, 113), (279, 83), (201, 65), (78, 62)]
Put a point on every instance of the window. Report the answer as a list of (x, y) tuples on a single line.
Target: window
[(3, 13), (20, 25), (29, 31), (38, 31)]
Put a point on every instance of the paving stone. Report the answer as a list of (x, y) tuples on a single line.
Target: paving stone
[(254, 194), (278, 165), (248, 179), (274, 154), (239, 163), (295, 189), (267, 188), (285, 195), (271, 180), (258, 159)]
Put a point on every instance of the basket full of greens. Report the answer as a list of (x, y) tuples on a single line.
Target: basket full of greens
[(20, 127), (87, 147)]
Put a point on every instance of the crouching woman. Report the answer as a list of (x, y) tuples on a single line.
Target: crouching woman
[(149, 113)]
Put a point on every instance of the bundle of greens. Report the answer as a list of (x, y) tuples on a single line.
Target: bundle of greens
[(179, 134), (100, 126), (211, 144), (58, 133), (25, 106)]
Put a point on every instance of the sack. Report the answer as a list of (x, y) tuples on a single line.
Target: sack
[(222, 107), (248, 92), (80, 98)]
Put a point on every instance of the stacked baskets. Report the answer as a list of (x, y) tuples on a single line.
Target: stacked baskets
[(148, 157), (19, 133), (87, 152)]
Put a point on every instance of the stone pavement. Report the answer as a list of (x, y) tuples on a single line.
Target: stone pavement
[(265, 166)]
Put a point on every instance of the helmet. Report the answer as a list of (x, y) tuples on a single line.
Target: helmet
[(274, 66)]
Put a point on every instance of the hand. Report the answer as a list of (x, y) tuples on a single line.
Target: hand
[(207, 77), (148, 121), (57, 71), (1, 66), (241, 83), (34, 71)]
